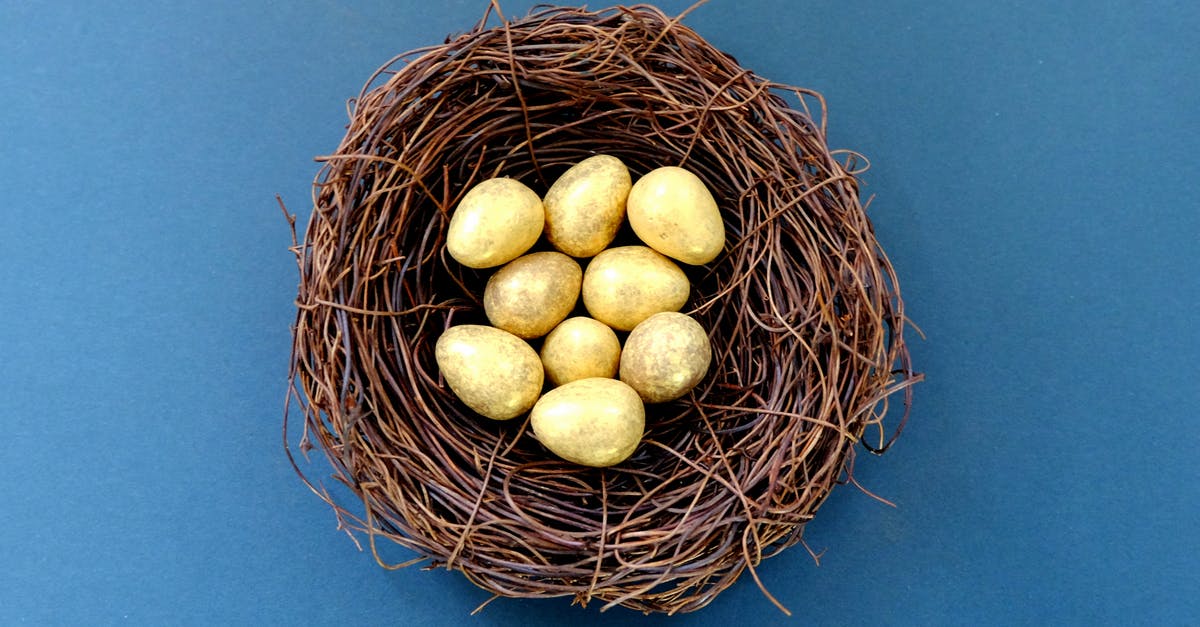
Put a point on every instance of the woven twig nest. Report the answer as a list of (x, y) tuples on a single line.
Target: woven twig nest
[(805, 320)]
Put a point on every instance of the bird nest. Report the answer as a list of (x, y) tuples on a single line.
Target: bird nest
[(802, 308)]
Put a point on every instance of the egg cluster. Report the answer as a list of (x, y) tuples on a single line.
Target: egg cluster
[(594, 413)]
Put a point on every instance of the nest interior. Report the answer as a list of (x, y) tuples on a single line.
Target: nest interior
[(803, 312)]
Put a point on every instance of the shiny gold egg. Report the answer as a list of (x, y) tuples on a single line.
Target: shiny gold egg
[(492, 371), (495, 222), (586, 205), (665, 357), (593, 422), (623, 286), (532, 294), (580, 348), (672, 211)]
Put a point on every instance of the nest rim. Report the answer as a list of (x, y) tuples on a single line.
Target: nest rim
[(726, 476)]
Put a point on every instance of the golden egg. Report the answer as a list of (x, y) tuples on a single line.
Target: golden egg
[(492, 371), (665, 357), (495, 222), (672, 211), (532, 294), (623, 286), (593, 422), (580, 348), (586, 205)]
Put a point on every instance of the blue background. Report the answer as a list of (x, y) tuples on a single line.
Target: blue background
[(1035, 174)]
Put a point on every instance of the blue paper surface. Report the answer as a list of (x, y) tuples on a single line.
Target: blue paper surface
[(1035, 181)]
